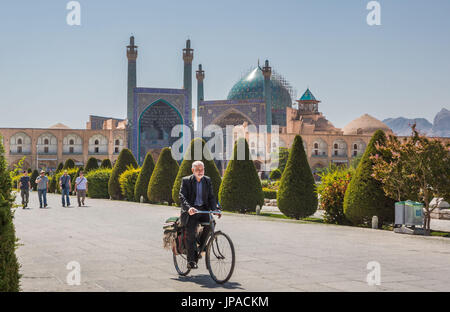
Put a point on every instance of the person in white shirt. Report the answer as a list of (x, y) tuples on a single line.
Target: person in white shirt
[(81, 187)]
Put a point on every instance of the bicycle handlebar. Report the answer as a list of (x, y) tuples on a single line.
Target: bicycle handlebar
[(209, 211)]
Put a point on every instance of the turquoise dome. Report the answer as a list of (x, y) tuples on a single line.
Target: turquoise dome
[(251, 86)]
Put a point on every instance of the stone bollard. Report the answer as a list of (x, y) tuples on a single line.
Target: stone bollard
[(374, 222), (258, 210), (141, 200)]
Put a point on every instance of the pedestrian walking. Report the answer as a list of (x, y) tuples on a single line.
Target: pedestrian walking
[(42, 188), (81, 187), (25, 186), (66, 187)]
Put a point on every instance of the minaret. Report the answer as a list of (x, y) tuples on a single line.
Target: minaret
[(132, 56), (267, 71), (188, 55), (200, 74)]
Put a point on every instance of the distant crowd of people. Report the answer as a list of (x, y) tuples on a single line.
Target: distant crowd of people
[(65, 185)]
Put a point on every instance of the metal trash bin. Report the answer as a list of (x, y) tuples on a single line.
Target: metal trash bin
[(413, 213), (399, 213)]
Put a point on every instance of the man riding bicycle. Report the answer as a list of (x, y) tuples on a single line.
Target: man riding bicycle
[(196, 193)]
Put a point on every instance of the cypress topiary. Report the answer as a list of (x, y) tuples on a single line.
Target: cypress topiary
[(241, 188), (9, 266), (60, 167), (106, 163), (69, 164), (91, 164), (143, 179), (163, 176), (296, 196), (33, 178), (52, 185), (186, 165), (364, 197), (125, 159)]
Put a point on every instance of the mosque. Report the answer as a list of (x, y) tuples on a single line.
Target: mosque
[(260, 97)]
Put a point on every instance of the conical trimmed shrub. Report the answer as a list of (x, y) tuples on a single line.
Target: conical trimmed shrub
[(124, 160), (91, 164), (143, 179), (296, 196), (163, 176), (69, 164), (9, 266), (60, 167), (364, 197), (186, 165), (241, 188), (33, 178), (106, 163)]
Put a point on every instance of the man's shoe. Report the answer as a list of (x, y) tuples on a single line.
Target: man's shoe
[(45, 206), (192, 265), (40, 206)]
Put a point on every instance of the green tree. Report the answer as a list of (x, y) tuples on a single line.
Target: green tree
[(91, 164), (364, 197), (33, 178), (9, 266), (124, 160), (163, 176), (241, 188), (69, 164), (417, 168), (275, 174), (296, 197), (331, 190), (60, 167), (144, 178), (186, 165), (106, 163)]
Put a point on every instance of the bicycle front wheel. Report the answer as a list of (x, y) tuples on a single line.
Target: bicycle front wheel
[(220, 257)]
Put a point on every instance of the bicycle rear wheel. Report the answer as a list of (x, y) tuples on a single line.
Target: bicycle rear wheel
[(180, 262), (220, 257)]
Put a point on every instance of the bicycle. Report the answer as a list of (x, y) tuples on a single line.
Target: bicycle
[(220, 256)]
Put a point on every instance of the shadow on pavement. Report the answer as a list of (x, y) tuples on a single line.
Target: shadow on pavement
[(206, 281)]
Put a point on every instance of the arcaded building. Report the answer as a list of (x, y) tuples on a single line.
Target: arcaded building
[(46, 147)]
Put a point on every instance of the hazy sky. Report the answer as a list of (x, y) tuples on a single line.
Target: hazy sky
[(51, 72)]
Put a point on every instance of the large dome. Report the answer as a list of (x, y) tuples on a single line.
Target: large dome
[(365, 124), (251, 86)]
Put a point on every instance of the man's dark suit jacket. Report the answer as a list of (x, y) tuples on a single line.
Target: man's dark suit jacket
[(188, 192)]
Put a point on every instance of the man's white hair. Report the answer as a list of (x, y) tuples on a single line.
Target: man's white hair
[(197, 163)]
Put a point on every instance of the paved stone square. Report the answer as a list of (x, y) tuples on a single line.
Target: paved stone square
[(119, 247)]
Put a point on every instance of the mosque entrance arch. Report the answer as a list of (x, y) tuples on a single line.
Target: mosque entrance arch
[(155, 125), (231, 117)]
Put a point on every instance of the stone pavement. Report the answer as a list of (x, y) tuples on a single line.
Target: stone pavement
[(119, 247)]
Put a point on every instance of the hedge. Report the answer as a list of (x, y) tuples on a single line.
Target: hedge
[(125, 159), (186, 169), (331, 190), (296, 197), (98, 182), (364, 197), (241, 188), (33, 178), (9, 266), (106, 163), (91, 164), (127, 182), (143, 179), (162, 179), (269, 193)]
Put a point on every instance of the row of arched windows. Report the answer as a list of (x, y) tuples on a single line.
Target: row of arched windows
[(20, 143)]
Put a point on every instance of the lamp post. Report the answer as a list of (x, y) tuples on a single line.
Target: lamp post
[(37, 156)]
